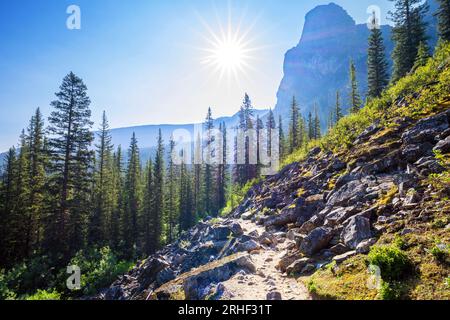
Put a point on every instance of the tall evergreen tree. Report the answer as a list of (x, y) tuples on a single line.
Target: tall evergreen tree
[(271, 125), (9, 224), (338, 110), (133, 199), (156, 220), (444, 19), (282, 142), (409, 31), (70, 140), (423, 55), (378, 75), (311, 134), (172, 193), (148, 211), (198, 178), (186, 206), (222, 169), (38, 164), (317, 130), (209, 166), (294, 127), (99, 229), (117, 228), (355, 98)]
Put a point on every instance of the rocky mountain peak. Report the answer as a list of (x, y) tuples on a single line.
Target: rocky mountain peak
[(325, 21)]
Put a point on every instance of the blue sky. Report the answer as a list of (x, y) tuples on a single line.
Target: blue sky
[(142, 59)]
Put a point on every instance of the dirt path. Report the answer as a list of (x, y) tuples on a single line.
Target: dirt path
[(267, 279)]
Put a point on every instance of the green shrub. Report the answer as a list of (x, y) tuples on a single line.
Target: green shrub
[(440, 252), (312, 288), (392, 261), (236, 195), (5, 292), (390, 291), (45, 295), (399, 242), (99, 268)]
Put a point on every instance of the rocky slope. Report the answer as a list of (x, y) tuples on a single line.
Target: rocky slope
[(329, 207)]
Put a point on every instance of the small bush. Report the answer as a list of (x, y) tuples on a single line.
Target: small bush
[(392, 261), (99, 268), (312, 288), (440, 252), (390, 291), (399, 242), (45, 295)]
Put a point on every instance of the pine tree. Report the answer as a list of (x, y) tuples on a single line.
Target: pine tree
[(338, 110), (209, 168), (187, 216), (317, 130), (71, 137), (38, 163), (198, 178), (148, 210), (311, 134), (444, 19), (222, 169), (250, 168), (172, 193), (378, 76), (409, 31), (99, 229), (117, 227), (271, 126), (294, 127), (423, 55), (8, 218), (355, 98), (282, 143), (133, 199), (156, 220), (259, 146)]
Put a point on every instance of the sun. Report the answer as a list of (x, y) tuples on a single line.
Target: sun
[(229, 53)]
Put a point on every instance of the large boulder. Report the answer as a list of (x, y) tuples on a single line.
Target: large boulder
[(356, 230), (317, 240), (443, 145), (426, 129)]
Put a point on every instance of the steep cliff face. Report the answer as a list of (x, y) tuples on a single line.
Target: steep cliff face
[(318, 66)]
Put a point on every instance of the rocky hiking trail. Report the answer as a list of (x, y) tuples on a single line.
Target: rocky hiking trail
[(328, 208), (268, 282)]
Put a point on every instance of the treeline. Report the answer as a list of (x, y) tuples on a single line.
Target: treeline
[(64, 190)]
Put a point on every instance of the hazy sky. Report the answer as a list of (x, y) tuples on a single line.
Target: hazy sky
[(143, 60)]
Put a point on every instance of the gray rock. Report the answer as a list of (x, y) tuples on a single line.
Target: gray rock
[(341, 258), (274, 295), (221, 233), (443, 145), (318, 239), (249, 246), (298, 266), (165, 276), (356, 230), (247, 215), (236, 229), (364, 246), (426, 129)]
